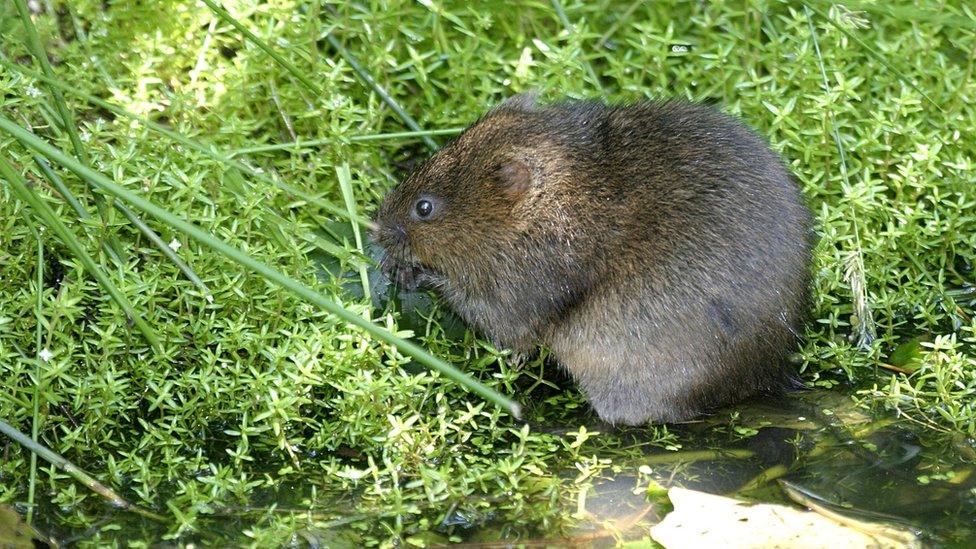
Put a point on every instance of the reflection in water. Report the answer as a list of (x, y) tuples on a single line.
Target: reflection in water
[(822, 445)]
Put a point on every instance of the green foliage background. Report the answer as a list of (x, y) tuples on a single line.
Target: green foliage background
[(258, 391)]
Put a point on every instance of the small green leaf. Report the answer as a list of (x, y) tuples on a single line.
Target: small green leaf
[(908, 355)]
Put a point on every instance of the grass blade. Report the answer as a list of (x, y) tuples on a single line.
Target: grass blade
[(208, 151), (167, 251), (38, 338), (345, 184), (219, 11), (58, 461), (561, 14), (618, 21), (234, 254), (371, 82), (874, 53), (67, 119), (66, 193), (44, 212), (58, 183), (297, 145), (37, 50), (855, 264)]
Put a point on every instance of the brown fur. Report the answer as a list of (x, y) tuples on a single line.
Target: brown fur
[(660, 250)]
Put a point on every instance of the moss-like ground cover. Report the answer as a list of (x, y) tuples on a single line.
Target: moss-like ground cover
[(254, 391)]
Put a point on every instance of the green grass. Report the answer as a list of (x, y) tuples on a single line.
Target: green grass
[(257, 390)]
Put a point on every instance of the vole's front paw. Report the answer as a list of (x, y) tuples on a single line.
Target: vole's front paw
[(519, 354), (409, 277), (517, 360), (429, 279)]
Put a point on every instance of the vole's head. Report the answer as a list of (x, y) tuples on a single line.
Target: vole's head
[(471, 198)]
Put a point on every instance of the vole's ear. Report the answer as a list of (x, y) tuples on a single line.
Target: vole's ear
[(514, 177), (525, 102)]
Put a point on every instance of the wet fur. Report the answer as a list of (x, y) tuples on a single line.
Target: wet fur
[(660, 250)]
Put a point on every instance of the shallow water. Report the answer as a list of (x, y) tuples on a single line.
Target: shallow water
[(819, 442)]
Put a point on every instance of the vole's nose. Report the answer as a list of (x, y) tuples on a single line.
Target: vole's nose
[(387, 233)]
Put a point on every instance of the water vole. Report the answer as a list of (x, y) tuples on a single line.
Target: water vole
[(660, 249)]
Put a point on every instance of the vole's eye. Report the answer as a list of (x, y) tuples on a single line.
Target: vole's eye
[(424, 208)]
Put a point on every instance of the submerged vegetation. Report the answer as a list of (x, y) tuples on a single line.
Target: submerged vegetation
[(201, 390)]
